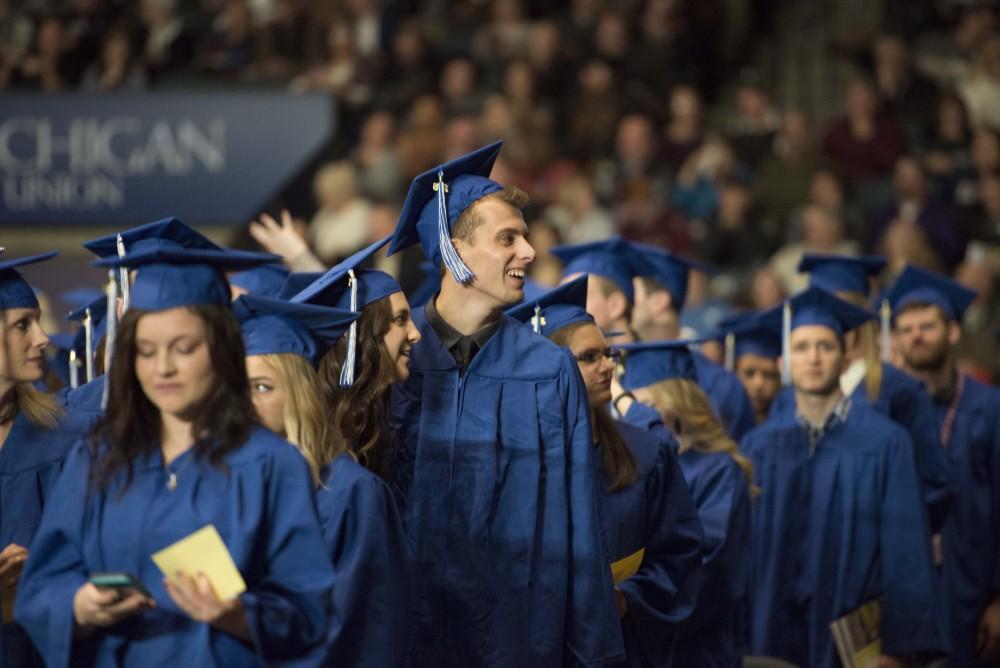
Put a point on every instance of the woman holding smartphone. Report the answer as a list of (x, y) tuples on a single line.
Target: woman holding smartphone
[(178, 448)]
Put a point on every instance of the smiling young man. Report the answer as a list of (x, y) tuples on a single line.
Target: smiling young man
[(928, 309), (495, 460), (839, 521)]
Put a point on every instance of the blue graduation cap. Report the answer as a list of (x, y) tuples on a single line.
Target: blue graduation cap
[(93, 325), (649, 362), (346, 286), (78, 297), (170, 232), (744, 334), (296, 282), (917, 286), (559, 307), (840, 273), (812, 306), (265, 280), (669, 270), (613, 259), (276, 326), (172, 277), (14, 290), (435, 201)]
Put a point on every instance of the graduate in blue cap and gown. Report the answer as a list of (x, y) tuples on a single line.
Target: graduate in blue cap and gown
[(870, 379), (361, 521), (86, 403), (751, 351), (496, 453), (640, 290), (840, 520), (663, 375), (178, 448), (32, 445), (650, 523), (928, 310)]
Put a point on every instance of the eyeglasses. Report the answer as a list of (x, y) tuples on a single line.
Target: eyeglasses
[(595, 356)]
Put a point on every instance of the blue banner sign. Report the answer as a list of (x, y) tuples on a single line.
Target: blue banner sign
[(125, 159)]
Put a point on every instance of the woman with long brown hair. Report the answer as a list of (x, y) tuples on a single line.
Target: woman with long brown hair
[(361, 523), (32, 444), (177, 452), (650, 523), (662, 374)]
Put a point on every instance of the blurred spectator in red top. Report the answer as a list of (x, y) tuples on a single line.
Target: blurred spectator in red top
[(865, 144)]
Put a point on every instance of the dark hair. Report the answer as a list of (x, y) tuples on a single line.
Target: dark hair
[(131, 424), (617, 461), (359, 415)]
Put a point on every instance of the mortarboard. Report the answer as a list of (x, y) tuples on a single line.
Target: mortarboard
[(170, 277), (919, 286), (14, 290), (669, 270), (347, 287), (743, 334), (812, 306), (273, 326), (78, 297), (649, 362), (613, 259), (559, 307), (263, 281), (840, 273), (93, 321), (296, 282), (435, 201)]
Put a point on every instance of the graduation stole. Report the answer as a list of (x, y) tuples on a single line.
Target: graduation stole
[(949, 419)]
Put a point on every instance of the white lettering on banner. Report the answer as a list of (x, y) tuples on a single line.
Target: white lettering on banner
[(62, 192), (84, 163)]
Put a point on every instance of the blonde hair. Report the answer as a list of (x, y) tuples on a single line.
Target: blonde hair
[(684, 399), (871, 349), (41, 409), (305, 414)]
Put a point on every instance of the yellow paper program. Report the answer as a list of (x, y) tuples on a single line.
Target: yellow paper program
[(203, 551)]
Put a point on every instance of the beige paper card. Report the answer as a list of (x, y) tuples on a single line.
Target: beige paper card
[(203, 551)]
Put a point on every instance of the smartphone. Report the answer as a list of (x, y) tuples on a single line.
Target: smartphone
[(118, 581)]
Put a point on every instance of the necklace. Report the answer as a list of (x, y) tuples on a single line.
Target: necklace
[(172, 477)]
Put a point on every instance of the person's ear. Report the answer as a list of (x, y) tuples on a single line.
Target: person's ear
[(659, 301), (617, 305), (954, 332)]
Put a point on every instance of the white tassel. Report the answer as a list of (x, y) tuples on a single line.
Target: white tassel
[(74, 370), (449, 255), (347, 371), (786, 346), (885, 313), (88, 343), (126, 288), (730, 351), (109, 338)]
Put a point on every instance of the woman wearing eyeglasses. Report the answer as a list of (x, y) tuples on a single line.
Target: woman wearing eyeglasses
[(650, 523)]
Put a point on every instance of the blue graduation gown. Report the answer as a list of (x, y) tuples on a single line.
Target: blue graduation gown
[(971, 535), (30, 461), (834, 528), (726, 394), (264, 509), (716, 633), (654, 514), (903, 400), (83, 404), (502, 510), (364, 536)]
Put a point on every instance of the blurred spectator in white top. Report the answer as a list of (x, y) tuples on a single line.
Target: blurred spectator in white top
[(376, 157), (340, 226), (576, 213), (981, 88), (822, 232)]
